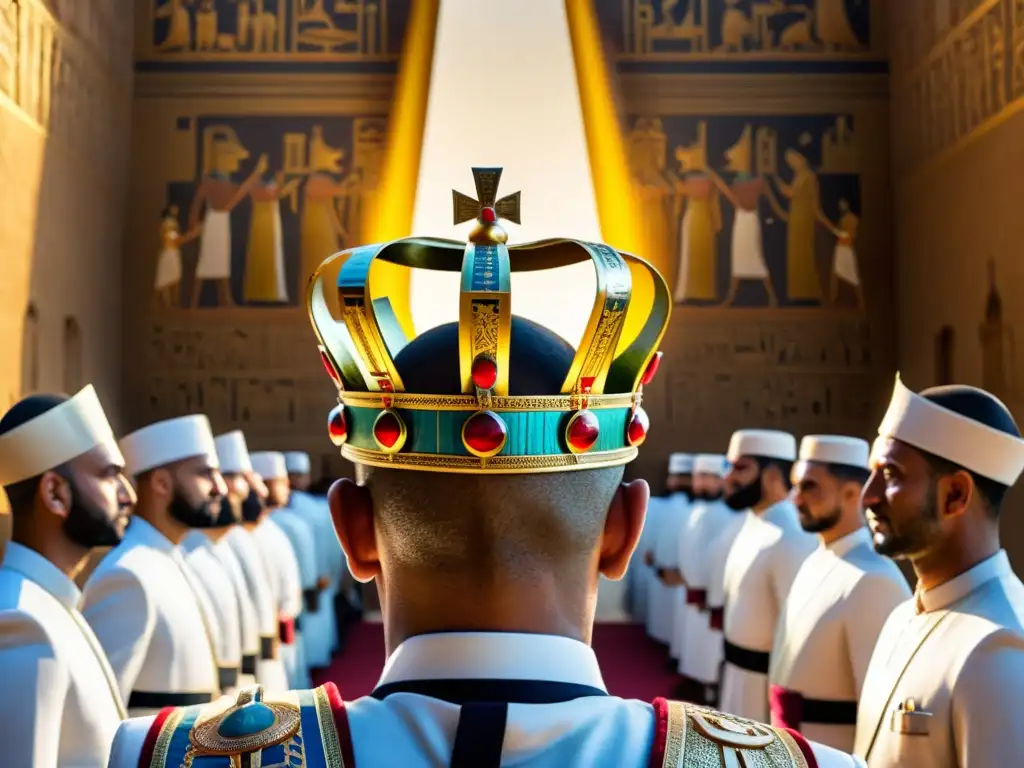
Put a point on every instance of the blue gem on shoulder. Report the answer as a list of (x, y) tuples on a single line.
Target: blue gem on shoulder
[(247, 720)]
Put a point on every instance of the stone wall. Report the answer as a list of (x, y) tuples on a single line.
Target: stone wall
[(65, 101), (258, 134), (759, 139), (958, 171)]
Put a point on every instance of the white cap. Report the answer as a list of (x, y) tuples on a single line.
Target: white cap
[(835, 449), (166, 442), (680, 464), (297, 462), (233, 452), (68, 430), (709, 464), (269, 465), (970, 444), (769, 443)]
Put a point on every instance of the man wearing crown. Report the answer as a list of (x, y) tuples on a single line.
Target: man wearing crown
[(945, 681), (490, 498), (62, 472)]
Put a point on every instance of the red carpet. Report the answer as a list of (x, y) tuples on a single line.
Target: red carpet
[(632, 663)]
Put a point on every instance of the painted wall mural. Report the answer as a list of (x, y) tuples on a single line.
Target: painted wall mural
[(753, 211), (271, 197)]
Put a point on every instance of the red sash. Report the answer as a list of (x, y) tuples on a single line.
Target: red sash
[(697, 597), (286, 631)]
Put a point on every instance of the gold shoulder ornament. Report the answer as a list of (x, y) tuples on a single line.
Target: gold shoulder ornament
[(251, 725), (699, 737)]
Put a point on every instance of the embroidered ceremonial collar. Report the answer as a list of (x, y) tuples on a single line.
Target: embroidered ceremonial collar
[(944, 595), (493, 656), (38, 569), (842, 546)]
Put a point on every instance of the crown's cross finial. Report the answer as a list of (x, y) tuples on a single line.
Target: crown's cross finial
[(486, 209)]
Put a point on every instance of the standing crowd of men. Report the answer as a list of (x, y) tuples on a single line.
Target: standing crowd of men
[(769, 576), (223, 572)]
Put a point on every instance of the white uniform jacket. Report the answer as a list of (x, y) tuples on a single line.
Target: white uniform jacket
[(841, 597), (145, 614), (946, 682), (420, 711), (763, 561), (61, 705)]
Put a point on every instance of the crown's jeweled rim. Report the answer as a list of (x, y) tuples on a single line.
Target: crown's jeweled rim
[(498, 465), (413, 402)]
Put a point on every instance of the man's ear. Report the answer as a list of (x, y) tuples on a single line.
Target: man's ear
[(622, 527), (159, 483), (352, 512), (959, 491), (53, 494)]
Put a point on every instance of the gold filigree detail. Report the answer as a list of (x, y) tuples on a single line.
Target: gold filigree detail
[(432, 462), (414, 402), (486, 319), (328, 732), (208, 741), (708, 738)]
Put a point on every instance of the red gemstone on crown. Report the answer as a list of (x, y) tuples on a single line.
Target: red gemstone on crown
[(582, 432), (484, 434), (388, 429), (651, 369), (636, 432), (336, 426), (329, 367), (484, 372), (488, 215)]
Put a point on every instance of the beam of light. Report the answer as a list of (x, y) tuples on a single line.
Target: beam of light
[(504, 93)]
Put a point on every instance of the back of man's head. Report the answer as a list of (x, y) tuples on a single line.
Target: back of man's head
[(476, 523), (21, 495)]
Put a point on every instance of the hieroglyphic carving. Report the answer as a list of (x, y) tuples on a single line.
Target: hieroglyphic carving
[(9, 53), (728, 372), (961, 84), (260, 375), (1017, 50), (742, 28), (238, 30), (57, 79)]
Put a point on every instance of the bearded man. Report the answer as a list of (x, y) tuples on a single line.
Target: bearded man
[(62, 472), (142, 600), (840, 598)]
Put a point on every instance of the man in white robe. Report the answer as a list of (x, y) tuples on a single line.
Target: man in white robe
[(140, 600), (946, 681), (670, 596), (62, 472), (763, 561), (839, 601), (289, 571), (319, 629), (717, 556), (698, 664)]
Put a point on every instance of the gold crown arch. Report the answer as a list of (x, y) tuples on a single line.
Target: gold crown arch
[(595, 420)]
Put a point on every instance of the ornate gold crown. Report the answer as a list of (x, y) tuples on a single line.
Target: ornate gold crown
[(596, 419)]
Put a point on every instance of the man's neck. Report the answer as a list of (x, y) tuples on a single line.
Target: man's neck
[(161, 519), (69, 557), (766, 503), (848, 524), (944, 564), (485, 606), (216, 534)]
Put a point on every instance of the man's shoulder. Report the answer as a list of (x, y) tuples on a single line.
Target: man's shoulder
[(304, 727)]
